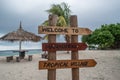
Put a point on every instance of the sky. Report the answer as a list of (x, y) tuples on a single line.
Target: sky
[(90, 13)]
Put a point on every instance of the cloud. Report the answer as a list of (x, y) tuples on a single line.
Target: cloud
[(91, 13), (32, 12), (94, 13), (27, 6), (21, 6)]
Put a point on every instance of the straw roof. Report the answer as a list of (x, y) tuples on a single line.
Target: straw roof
[(20, 35)]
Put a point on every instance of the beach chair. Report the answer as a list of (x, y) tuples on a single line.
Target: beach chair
[(17, 59), (9, 58), (45, 56)]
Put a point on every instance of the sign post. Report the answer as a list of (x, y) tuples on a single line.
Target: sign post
[(74, 54), (52, 54), (64, 30), (63, 46), (60, 64), (52, 64)]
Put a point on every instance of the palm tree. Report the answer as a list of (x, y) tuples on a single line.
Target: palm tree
[(63, 12), (62, 9)]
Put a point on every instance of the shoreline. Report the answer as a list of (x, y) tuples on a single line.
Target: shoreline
[(46, 51), (16, 52)]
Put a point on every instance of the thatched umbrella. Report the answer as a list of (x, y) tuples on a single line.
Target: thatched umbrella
[(20, 35)]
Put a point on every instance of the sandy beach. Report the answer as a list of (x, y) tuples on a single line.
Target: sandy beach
[(107, 68)]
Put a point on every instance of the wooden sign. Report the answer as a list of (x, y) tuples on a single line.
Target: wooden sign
[(63, 30), (58, 64), (63, 46)]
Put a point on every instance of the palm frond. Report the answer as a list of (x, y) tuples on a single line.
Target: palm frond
[(61, 21)]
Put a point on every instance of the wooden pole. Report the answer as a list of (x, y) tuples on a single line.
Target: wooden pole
[(74, 54), (52, 55), (20, 43)]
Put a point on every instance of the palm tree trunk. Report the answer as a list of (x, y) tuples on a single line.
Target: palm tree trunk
[(68, 39)]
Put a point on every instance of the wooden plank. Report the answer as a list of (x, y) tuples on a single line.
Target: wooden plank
[(74, 54), (60, 64), (63, 46), (63, 30), (52, 55)]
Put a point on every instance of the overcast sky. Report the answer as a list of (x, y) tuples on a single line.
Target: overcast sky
[(91, 13)]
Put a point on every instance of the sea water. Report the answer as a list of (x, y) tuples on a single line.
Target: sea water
[(12, 52)]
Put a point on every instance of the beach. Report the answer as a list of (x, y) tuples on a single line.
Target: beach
[(107, 68)]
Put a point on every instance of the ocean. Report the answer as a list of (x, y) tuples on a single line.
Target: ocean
[(11, 52)]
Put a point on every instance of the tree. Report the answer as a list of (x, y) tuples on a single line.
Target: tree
[(63, 12), (115, 31), (62, 9), (108, 36), (61, 21)]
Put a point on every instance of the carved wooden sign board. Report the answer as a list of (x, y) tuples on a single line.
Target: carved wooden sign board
[(63, 30), (63, 46), (52, 64), (59, 64)]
